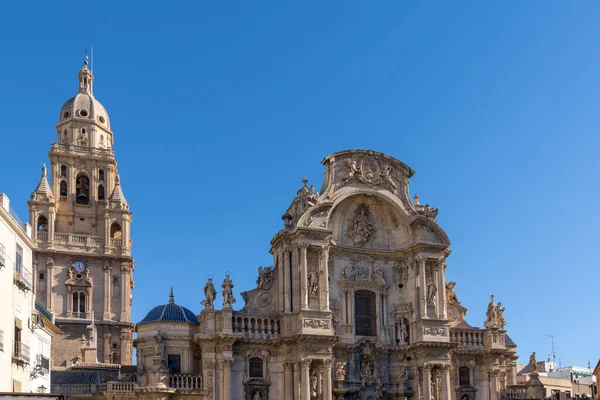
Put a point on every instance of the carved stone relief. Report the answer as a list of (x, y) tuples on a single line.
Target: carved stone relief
[(371, 171), (360, 227), (315, 323)]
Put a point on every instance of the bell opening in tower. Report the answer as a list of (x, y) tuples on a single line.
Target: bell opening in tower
[(82, 193)]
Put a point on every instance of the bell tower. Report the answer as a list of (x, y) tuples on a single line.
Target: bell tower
[(84, 264)]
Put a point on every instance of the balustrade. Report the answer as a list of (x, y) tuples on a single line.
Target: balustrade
[(185, 382), (255, 326), (69, 239), (467, 337)]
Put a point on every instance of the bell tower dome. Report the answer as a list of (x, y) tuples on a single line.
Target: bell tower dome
[(83, 221)]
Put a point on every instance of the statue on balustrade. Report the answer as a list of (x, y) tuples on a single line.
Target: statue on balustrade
[(228, 298), (209, 295)]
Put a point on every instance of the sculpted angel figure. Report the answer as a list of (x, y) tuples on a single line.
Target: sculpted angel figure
[(386, 176), (451, 294), (209, 295), (352, 169), (228, 298)]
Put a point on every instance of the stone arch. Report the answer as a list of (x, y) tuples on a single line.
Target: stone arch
[(369, 220)]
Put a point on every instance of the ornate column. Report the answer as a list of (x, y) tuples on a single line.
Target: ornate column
[(324, 278), (226, 392), (51, 228), (279, 270), (106, 353), (49, 279), (305, 378), (89, 313), (69, 302), (446, 386), (427, 381), (107, 293), (423, 287), (287, 379), (494, 384), (442, 286), (303, 277), (327, 386), (286, 279), (123, 292)]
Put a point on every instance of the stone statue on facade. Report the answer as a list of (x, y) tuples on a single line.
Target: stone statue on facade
[(313, 386), (360, 227), (495, 315), (313, 282), (228, 298), (451, 296), (265, 278), (401, 332), (532, 363), (340, 371), (257, 396), (352, 169), (159, 347), (209, 295), (431, 291)]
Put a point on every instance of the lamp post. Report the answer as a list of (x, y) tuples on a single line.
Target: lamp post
[(41, 389)]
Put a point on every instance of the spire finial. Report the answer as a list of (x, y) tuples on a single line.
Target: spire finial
[(43, 170), (304, 181), (417, 197), (85, 58), (171, 297)]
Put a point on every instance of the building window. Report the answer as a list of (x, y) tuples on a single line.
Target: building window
[(82, 190), (42, 225), (101, 175), (100, 192), (63, 168), (79, 305), (464, 377), (365, 316), (256, 367), (114, 358), (64, 189), (115, 231), (174, 363), (19, 259)]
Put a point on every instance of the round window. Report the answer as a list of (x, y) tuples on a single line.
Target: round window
[(66, 114), (83, 113), (101, 119)]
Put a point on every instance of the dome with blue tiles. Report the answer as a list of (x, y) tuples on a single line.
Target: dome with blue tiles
[(170, 312)]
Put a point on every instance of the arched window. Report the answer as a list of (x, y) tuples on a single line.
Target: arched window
[(365, 316), (100, 192), (42, 224), (64, 189), (115, 231), (100, 174), (79, 305), (82, 190), (63, 170), (114, 357), (256, 367), (464, 377)]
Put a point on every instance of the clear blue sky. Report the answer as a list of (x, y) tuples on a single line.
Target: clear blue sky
[(220, 108)]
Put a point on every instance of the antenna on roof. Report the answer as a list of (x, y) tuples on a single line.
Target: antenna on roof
[(553, 351)]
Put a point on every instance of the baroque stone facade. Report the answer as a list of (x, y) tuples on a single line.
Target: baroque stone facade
[(356, 306), (82, 221)]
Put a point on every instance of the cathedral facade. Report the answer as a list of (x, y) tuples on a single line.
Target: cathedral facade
[(82, 222), (356, 306)]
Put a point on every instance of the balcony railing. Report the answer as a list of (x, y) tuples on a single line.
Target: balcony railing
[(185, 382), (22, 277), (87, 150), (43, 362), (117, 387), (42, 310), (70, 239), (467, 337), (257, 327), (21, 352), (78, 315), (116, 242)]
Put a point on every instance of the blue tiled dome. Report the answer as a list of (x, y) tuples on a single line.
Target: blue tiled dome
[(170, 312)]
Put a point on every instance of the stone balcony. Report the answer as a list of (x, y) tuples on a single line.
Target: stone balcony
[(467, 338), (180, 382), (59, 148), (83, 243), (255, 326)]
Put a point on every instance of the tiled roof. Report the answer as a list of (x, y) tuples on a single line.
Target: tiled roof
[(508, 340), (75, 377), (170, 313)]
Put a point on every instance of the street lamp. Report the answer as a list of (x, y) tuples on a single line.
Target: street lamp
[(42, 389)]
